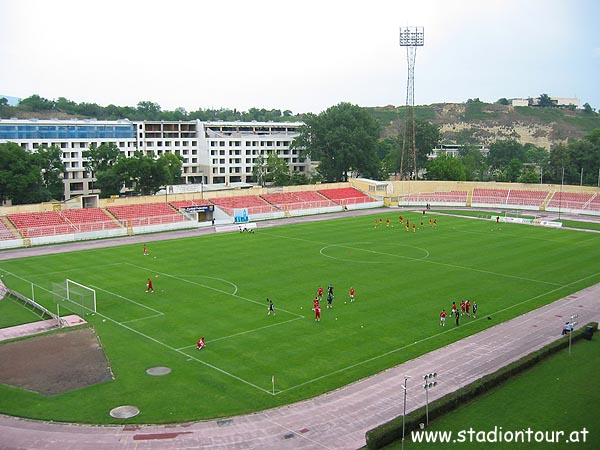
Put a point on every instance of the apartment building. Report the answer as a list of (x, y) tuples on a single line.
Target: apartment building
[(211, 152)]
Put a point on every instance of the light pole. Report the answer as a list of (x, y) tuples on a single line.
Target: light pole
[(562, 181), (428, 385), (406, 377), (571, 328)]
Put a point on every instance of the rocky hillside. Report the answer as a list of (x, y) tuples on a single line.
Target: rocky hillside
[(477, 122)]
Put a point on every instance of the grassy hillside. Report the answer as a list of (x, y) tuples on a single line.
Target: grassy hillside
[(478, 122)]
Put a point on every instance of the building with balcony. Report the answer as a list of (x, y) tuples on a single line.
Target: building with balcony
[(211, 152)]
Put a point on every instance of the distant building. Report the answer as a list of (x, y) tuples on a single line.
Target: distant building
[(212, 152), (520, 102), (557, 102), (454, 150)]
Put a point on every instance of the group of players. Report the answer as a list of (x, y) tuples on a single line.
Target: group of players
[(388, 223), (330, 296), (467, 309)]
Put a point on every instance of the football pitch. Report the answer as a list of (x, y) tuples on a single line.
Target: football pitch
[(216, 286)]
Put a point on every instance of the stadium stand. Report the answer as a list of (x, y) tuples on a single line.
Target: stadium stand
[(490, 196), (46, 223), (513, 197), (289, 201), (594, 204), (50, 223), (571, 200), (438, 197), (89, 219), (253, 203), (145, 214), (526, 198), (5, 232), (345, 196)]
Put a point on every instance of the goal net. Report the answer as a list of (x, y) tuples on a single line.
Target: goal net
[(75, 297)]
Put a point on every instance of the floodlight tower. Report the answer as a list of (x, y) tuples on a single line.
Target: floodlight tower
[(411, 38)]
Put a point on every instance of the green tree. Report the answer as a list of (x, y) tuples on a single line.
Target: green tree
[(428, 136), (545, 101), (48, 159), (343, 139), (259, 171), (558, 160), (171, 165), (588, 109), (503, 101), (445, 167), (36, 103), (474, 162), (585, 159), (21, 179), (529, 174), (502, 152), (513, 170), (100, 162), (388, 151), (109, 181), (143, 174), (279, 171), (149, 110)]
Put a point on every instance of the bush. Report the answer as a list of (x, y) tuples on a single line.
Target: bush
[(392, 431)]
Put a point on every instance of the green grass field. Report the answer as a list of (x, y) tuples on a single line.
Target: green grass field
[(216, 286), (567, 402)]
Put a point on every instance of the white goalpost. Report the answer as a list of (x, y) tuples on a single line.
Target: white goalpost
[(75, 296)]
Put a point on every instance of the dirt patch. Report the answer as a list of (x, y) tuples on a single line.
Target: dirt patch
[(55, 363)]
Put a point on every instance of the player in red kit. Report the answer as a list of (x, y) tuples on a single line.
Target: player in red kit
[(443, 318), (320, 293), (317, 310), (351, 294), (200, 345), (468, 308), (149, 287)]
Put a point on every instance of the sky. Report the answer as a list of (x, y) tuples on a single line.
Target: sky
[(302, 56)]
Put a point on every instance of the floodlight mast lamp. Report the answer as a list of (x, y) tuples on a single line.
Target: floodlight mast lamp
[(411, 38)]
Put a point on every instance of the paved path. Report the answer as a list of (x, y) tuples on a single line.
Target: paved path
[(337, 420), (41, 326)]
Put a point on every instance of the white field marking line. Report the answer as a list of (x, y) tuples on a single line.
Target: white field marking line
[(532, 238), (431, 262), (235, 288), (122, 324), (188, 356), (45, 274), (218, 290), (241, 333), (349, 246), (586, 241), (158, 313), (449, 330)]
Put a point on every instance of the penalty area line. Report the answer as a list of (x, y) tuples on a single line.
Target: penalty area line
[(241, 333)]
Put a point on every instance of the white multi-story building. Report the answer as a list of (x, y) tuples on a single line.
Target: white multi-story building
[(211, 152)]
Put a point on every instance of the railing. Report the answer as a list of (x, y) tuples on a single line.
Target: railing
[(52, 230), (152, 220)]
